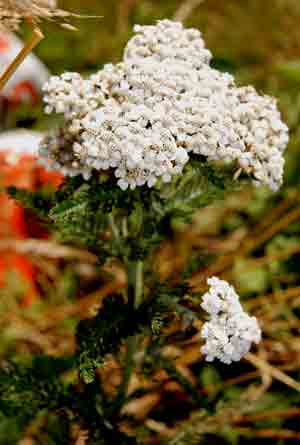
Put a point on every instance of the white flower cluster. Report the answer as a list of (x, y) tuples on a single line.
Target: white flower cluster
[(144, 116), (230, 331)]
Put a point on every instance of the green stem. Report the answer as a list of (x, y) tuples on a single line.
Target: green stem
[(124, 227), (136, 283), (114, 228), (182, 380), (121, 397)]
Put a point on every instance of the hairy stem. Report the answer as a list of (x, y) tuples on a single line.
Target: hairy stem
[(136, 282), (124, 227), (114, 228), (121, 397)]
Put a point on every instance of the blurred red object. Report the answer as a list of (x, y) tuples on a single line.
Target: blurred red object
[(19, 167)]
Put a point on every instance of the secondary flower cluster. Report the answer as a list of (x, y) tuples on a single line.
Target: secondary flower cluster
[(230, 331), (143, 117)]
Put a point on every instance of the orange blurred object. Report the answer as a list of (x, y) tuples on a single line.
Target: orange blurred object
[(24, 172), (18, 166)]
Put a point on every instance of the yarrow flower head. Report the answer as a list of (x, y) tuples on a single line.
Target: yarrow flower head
[(13, 12), (230, 332), (143, 118)]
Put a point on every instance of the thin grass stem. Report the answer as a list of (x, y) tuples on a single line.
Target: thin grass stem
[(36, 37)]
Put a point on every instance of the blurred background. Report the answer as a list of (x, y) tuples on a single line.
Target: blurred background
[(252, 238)]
